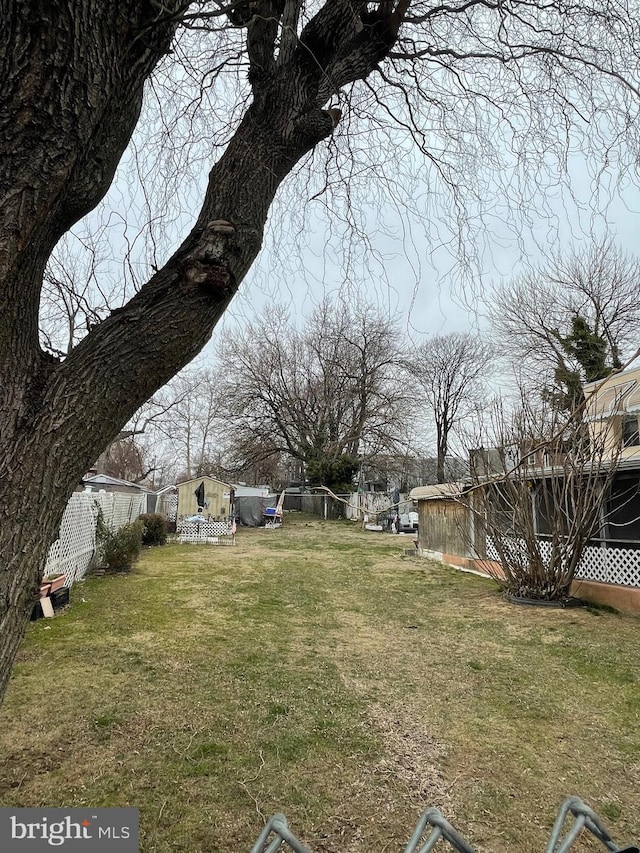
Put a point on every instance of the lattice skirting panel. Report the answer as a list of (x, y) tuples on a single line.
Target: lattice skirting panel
[(206, 540), (610, 565), (619, 566)]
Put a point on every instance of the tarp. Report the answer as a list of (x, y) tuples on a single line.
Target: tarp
[(199, 493), (249, 509)]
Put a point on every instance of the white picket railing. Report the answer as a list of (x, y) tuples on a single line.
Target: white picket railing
[(207, 532)]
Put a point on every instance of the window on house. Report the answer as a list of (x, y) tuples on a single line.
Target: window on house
[(623, 508), (630, 432)]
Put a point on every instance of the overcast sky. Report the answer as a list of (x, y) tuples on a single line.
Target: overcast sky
[(418, 277), (412, 266)]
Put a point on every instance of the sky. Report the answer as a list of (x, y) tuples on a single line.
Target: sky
[(409, 261), (414, 259), (419, 278), (412, 268)]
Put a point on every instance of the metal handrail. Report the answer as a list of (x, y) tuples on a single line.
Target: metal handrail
[(277, 832), (440, 829), (584, 818), (277, 826)]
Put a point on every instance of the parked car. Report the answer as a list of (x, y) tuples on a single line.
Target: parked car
[(408, 522)]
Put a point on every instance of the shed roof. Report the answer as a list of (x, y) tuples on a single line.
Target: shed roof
[(203, 477), (441, 490), (170, 488), (106, 480)]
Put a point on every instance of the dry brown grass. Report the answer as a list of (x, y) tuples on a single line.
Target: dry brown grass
[(317, 671)]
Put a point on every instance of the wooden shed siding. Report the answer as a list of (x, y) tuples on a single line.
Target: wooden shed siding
[(214, 491), (444, 525)]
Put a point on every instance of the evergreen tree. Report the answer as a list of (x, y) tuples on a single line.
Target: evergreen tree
[(593, 357)]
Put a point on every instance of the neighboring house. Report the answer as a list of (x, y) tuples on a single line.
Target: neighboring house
[(609, 572), (141, 498), (206, 496), (613, 408), (403, 472), (613, 411)]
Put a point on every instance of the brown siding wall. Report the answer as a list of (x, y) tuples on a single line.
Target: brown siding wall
[(444, 526)]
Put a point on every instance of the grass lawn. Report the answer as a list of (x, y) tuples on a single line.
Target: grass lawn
[(317, 671)]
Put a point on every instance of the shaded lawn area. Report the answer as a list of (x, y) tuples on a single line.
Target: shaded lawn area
[(318, 671)]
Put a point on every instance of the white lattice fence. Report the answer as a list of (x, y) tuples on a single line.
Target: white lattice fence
[(118, 509), (515, 548), (167, 505), (619, 566), (75, 546), (72, 552), (207, 532)]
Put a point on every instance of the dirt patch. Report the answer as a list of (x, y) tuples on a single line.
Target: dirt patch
[(413, 756), (394, 791), (23, 766)]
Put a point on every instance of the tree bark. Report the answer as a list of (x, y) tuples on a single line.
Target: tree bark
[(71, 80), (441, 444), (72, 74)]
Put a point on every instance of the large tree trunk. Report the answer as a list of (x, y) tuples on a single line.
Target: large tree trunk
[(71, 82), (72, 74)]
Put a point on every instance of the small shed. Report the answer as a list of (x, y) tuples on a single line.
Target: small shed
[(205, 495), (445, 524)]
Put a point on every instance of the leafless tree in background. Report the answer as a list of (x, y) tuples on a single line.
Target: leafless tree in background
[(451, 372), (534, 316), (259, 86), (170, 435), (190, 430), (127, 459), (328, 394), (77, 293)]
